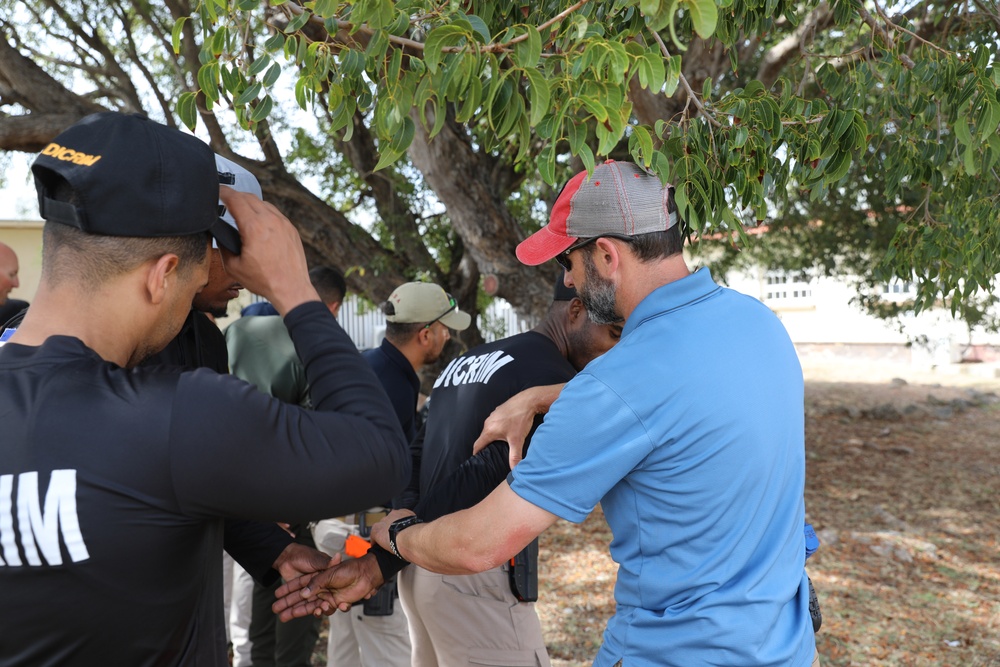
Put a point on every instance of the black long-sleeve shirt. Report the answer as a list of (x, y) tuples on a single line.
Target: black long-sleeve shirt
[(114, 484)]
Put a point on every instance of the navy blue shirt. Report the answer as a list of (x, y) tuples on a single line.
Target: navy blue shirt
[(400, 382)]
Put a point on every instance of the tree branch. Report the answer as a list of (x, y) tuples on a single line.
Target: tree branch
[(879, 32), (684, 82)]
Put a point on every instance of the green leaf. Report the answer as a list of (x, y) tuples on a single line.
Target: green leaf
[(740, 137), (400, 24), (259, 65), (437, 39), (175, 34), (275, 42), (704, 16), (539, 95), (297, 22), (262, 110), (969, 160), (673, 76), (546, 163), (272, 75), (325, 8), (480, 28), (529, 51), (248, 95), (595, 107), (400, 141), (334, 96), (392, 72), (208, 81), (187, 110), (230, 78), (209, 9), (587, 157), (303, 92), (383, 15), (576, 135), (656, 70), (649, 7), (640, 145), (660, 14), (989, 118), (471, 101), (837, 168), (962, 132)]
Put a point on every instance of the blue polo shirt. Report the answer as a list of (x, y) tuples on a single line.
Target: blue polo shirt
[(690, 433), (400, 382)]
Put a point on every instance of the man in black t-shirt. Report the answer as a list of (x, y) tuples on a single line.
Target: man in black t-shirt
[(458, 619), (115, 480)]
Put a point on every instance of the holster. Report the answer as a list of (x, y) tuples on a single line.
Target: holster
[(384, 601), (523, 572)]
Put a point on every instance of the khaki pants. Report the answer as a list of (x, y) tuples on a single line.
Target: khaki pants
[(457, 621)]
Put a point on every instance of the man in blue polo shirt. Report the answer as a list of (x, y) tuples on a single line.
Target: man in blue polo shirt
[(690, 433)]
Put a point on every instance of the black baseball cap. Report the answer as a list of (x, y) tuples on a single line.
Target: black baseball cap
[(561, 292), (132, 177)]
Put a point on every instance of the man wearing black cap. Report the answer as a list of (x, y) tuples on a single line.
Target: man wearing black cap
[(689, 432), (114, 480), (488, 616)]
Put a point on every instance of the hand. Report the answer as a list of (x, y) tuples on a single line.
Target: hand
[(298, 559), (380, 531), (324, 593), (272, 262), (511, 421)]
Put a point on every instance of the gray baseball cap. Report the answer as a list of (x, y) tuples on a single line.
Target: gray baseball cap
[(619, 198)]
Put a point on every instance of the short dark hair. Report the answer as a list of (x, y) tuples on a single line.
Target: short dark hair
[(97, 258), (399, 333), (329, 283), (653, 246), (94, 258)]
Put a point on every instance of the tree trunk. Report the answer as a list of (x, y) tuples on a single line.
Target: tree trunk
[(460, 177)]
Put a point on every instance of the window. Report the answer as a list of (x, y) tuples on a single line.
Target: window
[(787, 285)]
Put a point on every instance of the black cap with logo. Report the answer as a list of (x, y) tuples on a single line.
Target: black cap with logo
[(132, 177)]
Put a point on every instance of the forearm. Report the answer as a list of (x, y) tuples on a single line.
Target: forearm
[(476, 539), (255, 545), (538, 400)]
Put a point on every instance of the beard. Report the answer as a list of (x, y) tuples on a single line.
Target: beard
[(598, 295)]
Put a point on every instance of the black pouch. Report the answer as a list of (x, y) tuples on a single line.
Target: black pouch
[(523, 571), (384, 601)]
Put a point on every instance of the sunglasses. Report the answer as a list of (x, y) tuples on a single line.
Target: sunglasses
[(452, 305), (563, 258)]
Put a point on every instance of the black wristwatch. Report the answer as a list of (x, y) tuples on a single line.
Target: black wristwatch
[(398, 525)]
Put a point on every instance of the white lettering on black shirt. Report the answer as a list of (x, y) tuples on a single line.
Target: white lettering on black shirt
[(40, 526), (467, 370)]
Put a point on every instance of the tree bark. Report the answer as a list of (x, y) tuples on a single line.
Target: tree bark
[(461, 178)]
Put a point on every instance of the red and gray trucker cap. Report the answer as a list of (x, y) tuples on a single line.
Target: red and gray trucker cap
[(619, 198)]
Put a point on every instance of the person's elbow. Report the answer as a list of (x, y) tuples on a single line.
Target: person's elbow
[(399, 465)]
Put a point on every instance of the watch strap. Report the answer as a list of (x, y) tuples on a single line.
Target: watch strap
[(394, 529)]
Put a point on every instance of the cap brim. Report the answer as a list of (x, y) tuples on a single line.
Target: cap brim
[(457, 320), (226, 236), (542, 246)]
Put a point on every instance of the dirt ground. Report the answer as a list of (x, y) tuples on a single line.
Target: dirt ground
[(902, 486)]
